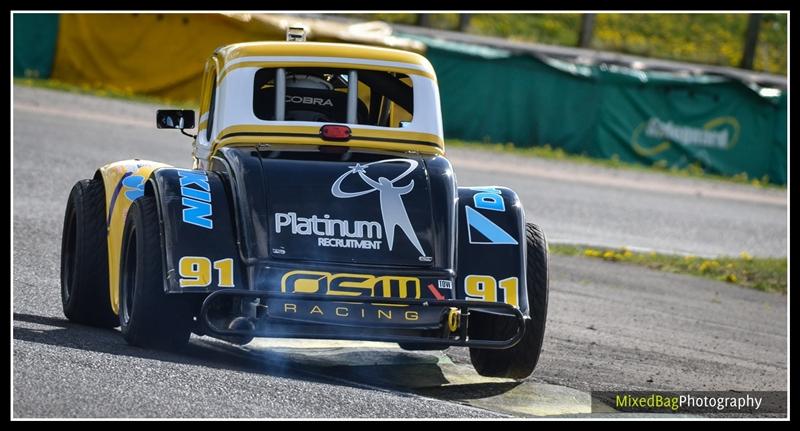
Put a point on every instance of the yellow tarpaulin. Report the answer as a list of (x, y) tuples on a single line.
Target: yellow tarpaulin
[(163, 54)]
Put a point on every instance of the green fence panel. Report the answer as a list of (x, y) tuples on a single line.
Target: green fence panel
[(35, 36), (781, 141), (505, 98), (724, 127), (608, 111)]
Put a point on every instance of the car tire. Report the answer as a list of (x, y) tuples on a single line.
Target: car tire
[(519, 361), (84, 257), (148, 316)]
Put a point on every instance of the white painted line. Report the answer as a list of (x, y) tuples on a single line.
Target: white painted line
[(619, 182), (84, 115)]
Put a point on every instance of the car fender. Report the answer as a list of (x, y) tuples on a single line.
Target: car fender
[(491, 253), (199, 239), (123, 182)]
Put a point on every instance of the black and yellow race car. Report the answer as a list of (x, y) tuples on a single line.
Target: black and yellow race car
[(319, 205)]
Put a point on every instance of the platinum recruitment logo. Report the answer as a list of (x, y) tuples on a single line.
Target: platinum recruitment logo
[(393, 209)]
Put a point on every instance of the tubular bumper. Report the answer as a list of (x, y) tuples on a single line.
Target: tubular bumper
[(452, 327)]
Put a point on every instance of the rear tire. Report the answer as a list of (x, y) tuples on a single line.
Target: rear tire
[(84, 257), (519, 361), (148, 316)]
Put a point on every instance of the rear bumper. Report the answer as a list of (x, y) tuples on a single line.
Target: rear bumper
[(417, 321)]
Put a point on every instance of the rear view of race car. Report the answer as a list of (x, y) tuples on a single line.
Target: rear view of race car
[(320, 205)]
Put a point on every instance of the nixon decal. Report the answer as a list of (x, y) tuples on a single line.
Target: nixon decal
[(488, 199), (196, 199)]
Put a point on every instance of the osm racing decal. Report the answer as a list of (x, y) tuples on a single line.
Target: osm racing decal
[(319, 282)]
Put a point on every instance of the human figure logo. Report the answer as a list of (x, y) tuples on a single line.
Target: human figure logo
[(393, 210)]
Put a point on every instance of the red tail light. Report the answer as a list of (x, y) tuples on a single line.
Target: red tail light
[(332, 132)]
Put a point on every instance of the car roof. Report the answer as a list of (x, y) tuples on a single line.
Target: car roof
[(328, 53)]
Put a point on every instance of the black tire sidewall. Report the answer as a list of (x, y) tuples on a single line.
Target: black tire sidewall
[(520, 360), (84, 257), (155, 319)]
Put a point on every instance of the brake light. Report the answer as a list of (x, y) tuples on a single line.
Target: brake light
[(334, 133)]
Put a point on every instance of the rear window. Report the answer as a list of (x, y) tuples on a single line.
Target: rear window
[(385, 99)]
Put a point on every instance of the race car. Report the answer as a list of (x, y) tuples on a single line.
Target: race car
[(319, 205)]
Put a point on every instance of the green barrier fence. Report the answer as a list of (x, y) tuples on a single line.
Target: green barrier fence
[(35, 38), (721, 125)]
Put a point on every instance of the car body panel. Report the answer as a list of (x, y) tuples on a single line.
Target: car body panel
[(123, 182)]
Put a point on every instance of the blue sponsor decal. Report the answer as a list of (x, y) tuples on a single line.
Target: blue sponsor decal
[(488, 199), (196, 199), (134, 185)]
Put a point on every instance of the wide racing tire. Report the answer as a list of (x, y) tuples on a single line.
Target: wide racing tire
[(84, 257), (519, 361), (148, 316)]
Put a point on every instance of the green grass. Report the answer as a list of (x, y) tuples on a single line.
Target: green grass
[(102, 92), (695, 37), (765, 274), (548, 152)]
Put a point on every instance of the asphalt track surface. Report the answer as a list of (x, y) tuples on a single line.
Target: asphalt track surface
[(610, 326)]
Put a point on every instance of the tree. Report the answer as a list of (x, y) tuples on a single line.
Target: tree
[(424, 19), (587, 28), (750, 40), (463, 22)]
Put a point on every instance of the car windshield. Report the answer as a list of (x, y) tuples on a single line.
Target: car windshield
[(383, 99)]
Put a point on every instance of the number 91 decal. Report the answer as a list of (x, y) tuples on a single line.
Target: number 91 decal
[(196, 271), (487, 288)]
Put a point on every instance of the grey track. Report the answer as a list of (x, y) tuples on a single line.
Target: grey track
[(610, 326)]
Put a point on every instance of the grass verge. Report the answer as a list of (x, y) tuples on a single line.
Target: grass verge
[(765, 274), (548, 152)]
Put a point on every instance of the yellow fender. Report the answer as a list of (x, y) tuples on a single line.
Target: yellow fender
[(123, 182)]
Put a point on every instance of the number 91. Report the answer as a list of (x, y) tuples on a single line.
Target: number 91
[(485, 288), (195, 271)]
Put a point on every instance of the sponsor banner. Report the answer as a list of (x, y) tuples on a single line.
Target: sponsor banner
[(638, 116)]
